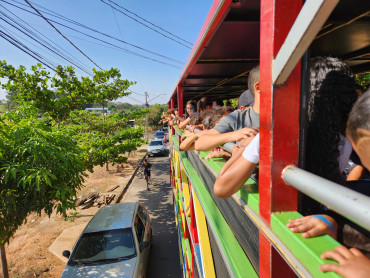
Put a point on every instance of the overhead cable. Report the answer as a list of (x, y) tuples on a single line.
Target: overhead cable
[(47, 41), (149, 22), (62, 34), (36, 40), (91, 29), (25, 49), (145, 25)]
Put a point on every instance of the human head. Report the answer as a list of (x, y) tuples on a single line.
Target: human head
[(191, 107), (145, 161), (210, 118), (217, 103), (332, 95), (358, 128), (205, 103), (245, 100), (254, 80)]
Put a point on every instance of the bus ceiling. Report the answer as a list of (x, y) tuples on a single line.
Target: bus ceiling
[(228, 46)]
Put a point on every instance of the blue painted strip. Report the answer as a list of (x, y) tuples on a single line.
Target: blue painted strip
[(197, 253)]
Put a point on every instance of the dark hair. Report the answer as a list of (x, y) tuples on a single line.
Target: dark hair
[(224, 110), (193, 107), (204, 103), (195, 120), (359, 117), (253, 78), (332, 94), (209, 118), (219, 102)]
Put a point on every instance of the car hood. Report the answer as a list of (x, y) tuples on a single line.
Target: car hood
[(123, 269), (159, 147)]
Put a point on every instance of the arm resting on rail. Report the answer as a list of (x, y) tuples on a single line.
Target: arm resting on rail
[(215, 139), (234, 173)]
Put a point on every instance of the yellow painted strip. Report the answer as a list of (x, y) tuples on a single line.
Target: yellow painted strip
[(186, 192), (204, 244)]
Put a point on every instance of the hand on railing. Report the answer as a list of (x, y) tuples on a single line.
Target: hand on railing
[(243, 133), (352, 263), (314, 225)]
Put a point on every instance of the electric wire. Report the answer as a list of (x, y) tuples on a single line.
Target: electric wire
[(118, 48), (62, 34), (151, 23), (25, 49), (91, 29), (30, 43), (129, 56), (47, 41), (145, 25), (36, 40)]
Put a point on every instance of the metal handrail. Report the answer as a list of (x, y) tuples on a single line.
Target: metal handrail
[(351, 204)]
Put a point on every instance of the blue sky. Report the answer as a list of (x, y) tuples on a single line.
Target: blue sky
[(180, 17)]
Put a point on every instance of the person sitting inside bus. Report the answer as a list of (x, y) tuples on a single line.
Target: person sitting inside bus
[(234, 127), (239, 167), (209, 119), (352, 263), (190, 110)]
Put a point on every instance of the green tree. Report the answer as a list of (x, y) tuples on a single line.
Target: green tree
[(105, 139), (40, 169), (62, 93), (363, 79), (155, 112), (11, 99)]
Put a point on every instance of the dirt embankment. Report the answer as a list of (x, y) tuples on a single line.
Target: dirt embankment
[(28, 251)]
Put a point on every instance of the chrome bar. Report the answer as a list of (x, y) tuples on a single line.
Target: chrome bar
[(351, 204)]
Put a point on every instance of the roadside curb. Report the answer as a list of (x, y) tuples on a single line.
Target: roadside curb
[(124, 190)]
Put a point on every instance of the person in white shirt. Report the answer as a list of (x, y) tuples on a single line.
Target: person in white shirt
[(239, 168)]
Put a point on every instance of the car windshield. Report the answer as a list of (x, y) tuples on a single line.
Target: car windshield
[(156, 143), (104, 247), (159, 134)]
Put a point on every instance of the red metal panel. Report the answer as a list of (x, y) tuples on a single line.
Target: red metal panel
[(205, 34), (279, 127), (180, 104)]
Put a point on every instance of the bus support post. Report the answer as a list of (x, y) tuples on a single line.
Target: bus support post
[(279, 117)]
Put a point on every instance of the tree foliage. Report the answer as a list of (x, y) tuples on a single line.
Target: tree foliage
[(39, 170), (105, 139), (62, 93)]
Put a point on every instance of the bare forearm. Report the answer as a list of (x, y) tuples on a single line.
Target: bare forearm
[(210, 141), (233, 178), (188, 143)]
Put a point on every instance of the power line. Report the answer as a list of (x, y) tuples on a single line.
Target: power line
[(122, 49), (145, 25), (68, 55), (129, 56), (25, 49), (91, 29), (62, 34), (135, 92), (149, 22), (36, 40)]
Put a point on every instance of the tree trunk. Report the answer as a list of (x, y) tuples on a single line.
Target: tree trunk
[(4, 263), (106, 166)]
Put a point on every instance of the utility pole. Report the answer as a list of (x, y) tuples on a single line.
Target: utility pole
[(146, 117)]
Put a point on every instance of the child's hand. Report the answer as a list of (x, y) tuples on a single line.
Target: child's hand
[(213, 155), (352, 263), (314, 225)]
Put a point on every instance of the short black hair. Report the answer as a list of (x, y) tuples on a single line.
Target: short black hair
[(359, 117)]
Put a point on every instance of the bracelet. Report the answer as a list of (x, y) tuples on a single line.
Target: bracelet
[(326, 221)]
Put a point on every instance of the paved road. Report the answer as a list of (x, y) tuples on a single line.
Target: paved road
[(164, 257)]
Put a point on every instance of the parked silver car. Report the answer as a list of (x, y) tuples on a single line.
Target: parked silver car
[(115, 243), (156, 147)]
